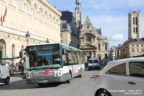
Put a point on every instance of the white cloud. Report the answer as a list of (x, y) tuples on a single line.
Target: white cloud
[(117, 37)]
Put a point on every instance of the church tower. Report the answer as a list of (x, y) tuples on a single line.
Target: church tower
[(134, 26), (78, 16), (78, 20)]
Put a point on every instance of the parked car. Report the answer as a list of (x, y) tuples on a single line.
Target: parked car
[(93, 63), (123, 77), (4, 74)]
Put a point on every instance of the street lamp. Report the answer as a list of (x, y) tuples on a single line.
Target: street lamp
[(47, 40), (27, 36)]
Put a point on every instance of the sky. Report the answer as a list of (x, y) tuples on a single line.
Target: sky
[(109, 15)]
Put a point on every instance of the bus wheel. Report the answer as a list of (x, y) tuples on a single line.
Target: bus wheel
[(70, 77)]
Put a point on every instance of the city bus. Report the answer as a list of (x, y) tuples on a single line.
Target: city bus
[(53, 62)]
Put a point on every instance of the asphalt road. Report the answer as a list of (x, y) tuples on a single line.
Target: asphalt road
[(78, 87)]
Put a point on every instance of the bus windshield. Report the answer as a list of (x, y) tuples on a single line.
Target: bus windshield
[(43, 56)]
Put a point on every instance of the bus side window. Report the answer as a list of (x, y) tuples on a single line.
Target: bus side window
[(70, 58), (79, 58), (64, 59), (82, 57)]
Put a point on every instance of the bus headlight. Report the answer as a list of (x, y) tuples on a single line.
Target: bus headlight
[(28, 75), (58, 73)]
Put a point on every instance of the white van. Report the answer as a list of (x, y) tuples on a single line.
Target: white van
[(4, 74)]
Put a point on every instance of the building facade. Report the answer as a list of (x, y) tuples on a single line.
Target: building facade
[(25, 22), (92, 42), (65, 33), (132, 48)]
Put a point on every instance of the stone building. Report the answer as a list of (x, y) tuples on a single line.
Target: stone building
[(92, 42), (27, 22), (134, 46)]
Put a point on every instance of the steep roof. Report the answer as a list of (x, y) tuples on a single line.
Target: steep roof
[(87, 21)]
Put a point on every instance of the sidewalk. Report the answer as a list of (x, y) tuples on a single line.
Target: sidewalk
[(18, 74)]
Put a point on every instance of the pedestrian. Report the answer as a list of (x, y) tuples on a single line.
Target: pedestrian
[(12, 68), (21, 68), (17, 67)]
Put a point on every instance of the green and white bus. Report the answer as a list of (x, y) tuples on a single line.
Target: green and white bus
[(55, 62)]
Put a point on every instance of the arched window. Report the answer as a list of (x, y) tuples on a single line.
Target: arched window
[(10, 1), (45, 17), (20, 4), (27, 7), (50, 18), (106, 56), (106, 48), (53, 19), (34, 11), (99, 46), (40, 14), (2, 48), (13, 50)]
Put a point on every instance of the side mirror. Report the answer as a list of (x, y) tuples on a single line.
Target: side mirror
[(64, 51)]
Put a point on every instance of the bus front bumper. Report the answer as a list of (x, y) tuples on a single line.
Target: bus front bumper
[(45, 80)]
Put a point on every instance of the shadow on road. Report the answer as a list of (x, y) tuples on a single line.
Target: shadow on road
[(21, 84)]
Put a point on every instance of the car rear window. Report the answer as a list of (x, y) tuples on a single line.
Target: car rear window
[(118, 70), (93, 61), (137, 69)]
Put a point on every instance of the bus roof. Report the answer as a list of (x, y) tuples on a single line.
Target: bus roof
[(71, 47), (41, 44), (55, 43)]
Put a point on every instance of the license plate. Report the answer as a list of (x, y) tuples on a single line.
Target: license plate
[(43, 81)]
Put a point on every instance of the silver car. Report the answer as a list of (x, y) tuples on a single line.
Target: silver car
[(123, 77)]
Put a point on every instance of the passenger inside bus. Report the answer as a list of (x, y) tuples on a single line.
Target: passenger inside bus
[(56, 59)]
